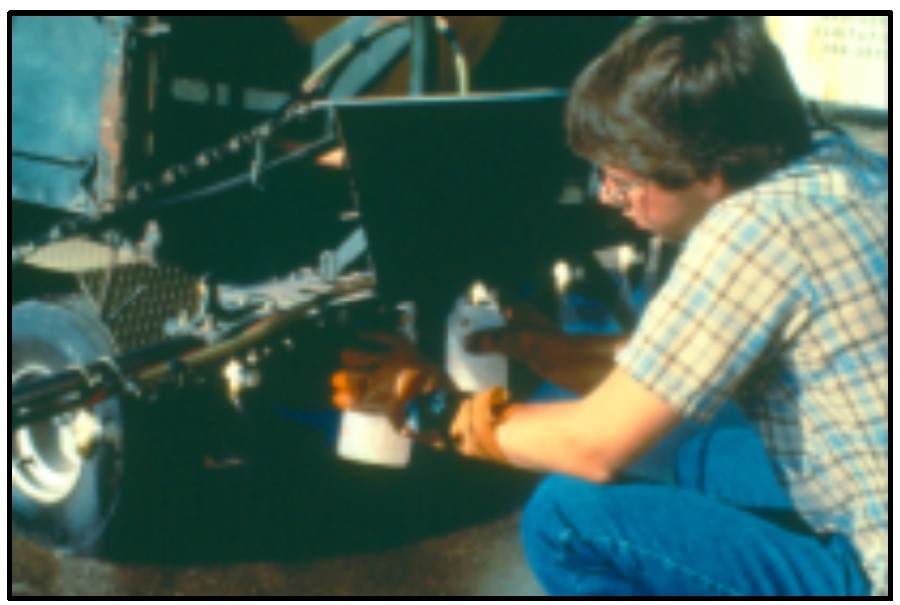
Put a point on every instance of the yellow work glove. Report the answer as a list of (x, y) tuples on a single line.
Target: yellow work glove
[(473, 431)]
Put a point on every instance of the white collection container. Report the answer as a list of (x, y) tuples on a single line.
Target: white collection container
[(369, 437)]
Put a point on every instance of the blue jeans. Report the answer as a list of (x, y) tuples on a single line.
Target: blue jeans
[(723, 528)]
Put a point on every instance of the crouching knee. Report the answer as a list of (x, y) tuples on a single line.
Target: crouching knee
[(552, 526)]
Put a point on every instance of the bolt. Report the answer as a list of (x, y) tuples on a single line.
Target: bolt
[(87, 432)]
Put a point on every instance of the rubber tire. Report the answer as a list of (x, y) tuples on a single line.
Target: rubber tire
[(57, 335)]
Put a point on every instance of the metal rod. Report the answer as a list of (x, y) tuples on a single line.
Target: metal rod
[(423, 55), (70, 388)]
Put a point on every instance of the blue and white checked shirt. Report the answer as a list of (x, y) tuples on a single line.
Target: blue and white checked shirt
[(780, 301)]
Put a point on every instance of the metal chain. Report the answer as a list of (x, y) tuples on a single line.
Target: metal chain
[(209, 157)]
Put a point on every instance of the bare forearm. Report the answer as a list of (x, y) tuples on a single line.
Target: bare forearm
[(595, 438), (552, 438), (584, 363)]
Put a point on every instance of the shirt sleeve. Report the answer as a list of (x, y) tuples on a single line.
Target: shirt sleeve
[(725, 302)]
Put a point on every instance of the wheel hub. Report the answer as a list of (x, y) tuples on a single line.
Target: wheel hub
[(47, 458)]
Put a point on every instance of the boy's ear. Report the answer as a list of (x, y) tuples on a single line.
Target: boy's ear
[(716, 188)]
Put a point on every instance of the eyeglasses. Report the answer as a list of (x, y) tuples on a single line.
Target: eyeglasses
[(614, 190)]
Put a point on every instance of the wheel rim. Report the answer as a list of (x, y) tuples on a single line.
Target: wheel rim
[(45, 463)]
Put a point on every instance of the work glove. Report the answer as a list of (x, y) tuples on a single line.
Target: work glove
[(385, 380), (577, 363), (473, 430)]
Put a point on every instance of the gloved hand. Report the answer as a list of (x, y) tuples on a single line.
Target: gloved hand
[(577, 363), (384, 381), (473, 431)]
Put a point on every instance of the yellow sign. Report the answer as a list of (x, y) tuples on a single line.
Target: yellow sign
[(837, 58)]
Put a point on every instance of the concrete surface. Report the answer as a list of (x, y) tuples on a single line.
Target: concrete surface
[(484, 560), (308, 526)]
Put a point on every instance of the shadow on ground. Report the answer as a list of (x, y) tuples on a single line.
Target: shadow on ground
[(296, 500)]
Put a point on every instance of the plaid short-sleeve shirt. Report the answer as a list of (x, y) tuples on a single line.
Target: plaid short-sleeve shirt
[(780, 302)]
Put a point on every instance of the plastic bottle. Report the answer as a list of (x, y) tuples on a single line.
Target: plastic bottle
[(473, 372)]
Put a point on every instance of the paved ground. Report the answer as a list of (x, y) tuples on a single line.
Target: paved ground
[(484, 560), (445, 527)]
